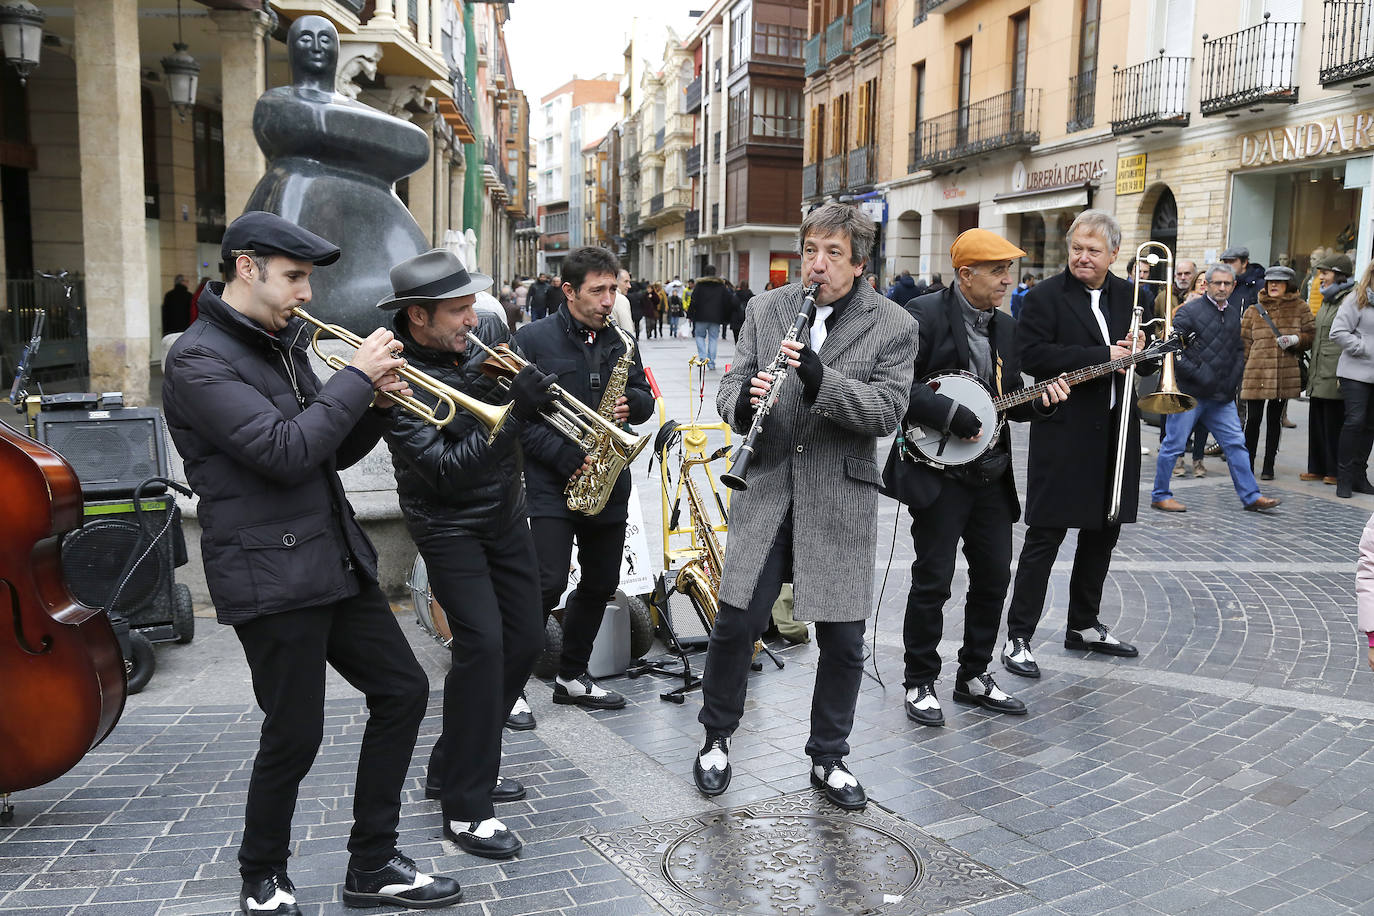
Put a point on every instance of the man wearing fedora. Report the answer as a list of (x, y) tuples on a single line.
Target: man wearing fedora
[(287, 565), (464, 504), (962, 329)]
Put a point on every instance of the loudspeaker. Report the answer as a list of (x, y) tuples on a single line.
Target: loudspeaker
[(113, 451)]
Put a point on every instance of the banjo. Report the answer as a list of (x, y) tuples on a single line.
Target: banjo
[(940, 449)]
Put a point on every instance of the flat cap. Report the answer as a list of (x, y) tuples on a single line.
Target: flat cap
[(268, 233), (975, 246), (1282, 274), (1340, 263), (1236, 252)]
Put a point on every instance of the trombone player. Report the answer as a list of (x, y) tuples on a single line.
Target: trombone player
[(464, 504)]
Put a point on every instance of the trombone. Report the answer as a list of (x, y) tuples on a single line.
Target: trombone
[(1167, 398), (491, 416)]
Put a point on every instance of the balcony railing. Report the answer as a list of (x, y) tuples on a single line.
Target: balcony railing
[(691, 222), (655, 203), (1151, 95), (865, 30), (1006, 120), (836, 46), (693, 101), (694, 161), (1082, 100), (810, 185), (833, 174), (811, 54), (863, 167), (1250, 67), (462, 99), (1347, 42)]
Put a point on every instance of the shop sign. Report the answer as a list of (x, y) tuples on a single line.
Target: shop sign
[(1059, 175), (1341, 134), (1130, 174), (955, 193)]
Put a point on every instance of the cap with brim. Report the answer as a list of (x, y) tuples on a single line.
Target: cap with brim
[(1280, 273), (1340, 263), (977, 246), (429, 277), (1236, 253), (270, 234)]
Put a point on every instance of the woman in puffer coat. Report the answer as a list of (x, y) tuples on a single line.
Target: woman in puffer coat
[(1324, 407), (1353, 329), (1272, 373)]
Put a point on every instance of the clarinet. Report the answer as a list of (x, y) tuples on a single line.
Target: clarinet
[(739, 469)]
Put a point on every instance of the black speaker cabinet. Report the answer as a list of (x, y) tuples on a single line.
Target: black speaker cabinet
[(113, 451)]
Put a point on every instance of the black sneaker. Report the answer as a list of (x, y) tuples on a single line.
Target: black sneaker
[(274, 895), (585, 692), (399, 883)]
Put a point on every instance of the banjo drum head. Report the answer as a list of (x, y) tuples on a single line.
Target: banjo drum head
[(968, 390), (428, 614)]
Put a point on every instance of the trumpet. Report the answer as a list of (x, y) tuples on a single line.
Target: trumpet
[(491, 416)]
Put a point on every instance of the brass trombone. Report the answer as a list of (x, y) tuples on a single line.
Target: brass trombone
[(491, 416)]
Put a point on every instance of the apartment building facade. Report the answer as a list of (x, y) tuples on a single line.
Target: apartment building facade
[(570, 117)]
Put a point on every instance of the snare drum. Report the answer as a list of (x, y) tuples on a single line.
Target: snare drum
[(428, 614)]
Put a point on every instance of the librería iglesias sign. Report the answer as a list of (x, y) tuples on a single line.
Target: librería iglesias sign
[(1341, 134)]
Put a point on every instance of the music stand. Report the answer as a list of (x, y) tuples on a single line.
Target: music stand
[(680, 666)]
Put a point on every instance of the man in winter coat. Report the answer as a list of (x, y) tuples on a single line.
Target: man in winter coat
[(1070, 321), (539, 298), (807, 516), (1210, 369), (287, 564), (904, 290), (577, 346), (710, 307), (1249, 277), (464, 505)]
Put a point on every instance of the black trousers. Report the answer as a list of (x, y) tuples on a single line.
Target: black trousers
[(599, 550), (492, 605), (286, 653), (1090, 563), (1324, 419), (982, 517), (1270, 412), (839, 672), (1357, 430)]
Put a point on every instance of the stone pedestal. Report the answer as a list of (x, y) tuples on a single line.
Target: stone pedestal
[(110, 115), (243, 77)]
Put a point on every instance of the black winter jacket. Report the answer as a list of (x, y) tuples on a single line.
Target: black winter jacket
[(712, 301), (1248, 286), (263, 441), (1213, 363), (557, 344), (452, 479)]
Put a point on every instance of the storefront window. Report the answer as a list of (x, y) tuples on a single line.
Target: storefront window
[(1042, 239), (1324, 215)]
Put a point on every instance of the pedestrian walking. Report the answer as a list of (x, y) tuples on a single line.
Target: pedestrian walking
[(1353, 329), (1275, 331)]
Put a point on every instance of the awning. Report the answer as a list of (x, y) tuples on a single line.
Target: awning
[(1075, 197)]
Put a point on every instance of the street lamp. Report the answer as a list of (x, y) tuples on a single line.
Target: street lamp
[(183, 73), (21, 30)]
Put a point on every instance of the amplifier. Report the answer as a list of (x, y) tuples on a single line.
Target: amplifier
[(112, 451)]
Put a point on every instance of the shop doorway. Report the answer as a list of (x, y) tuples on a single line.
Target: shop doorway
[(1164, 228)]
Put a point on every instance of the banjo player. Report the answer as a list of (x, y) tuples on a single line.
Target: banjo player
[(965, 334)]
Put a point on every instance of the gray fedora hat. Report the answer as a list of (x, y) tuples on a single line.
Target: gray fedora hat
[(436, 274)]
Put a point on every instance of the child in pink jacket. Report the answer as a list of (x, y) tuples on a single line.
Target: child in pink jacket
[(1364, 586)]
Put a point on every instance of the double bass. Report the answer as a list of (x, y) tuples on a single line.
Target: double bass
[(62, 676)]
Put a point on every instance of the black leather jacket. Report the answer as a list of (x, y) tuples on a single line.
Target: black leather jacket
[(452, 479)]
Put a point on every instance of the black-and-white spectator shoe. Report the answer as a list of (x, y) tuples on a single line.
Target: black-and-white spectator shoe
[(399, 883), (839, 785), (923, 707), (521, 717), (585, 692), (274, 895), (711, 769), (982, 690), (1017, 658), (1096, 638), (489, 839)]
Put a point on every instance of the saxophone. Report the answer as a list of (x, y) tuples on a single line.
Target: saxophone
[(612, 448), (699, 579)]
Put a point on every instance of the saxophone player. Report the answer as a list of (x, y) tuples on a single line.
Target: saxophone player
[(464, 505), (594, 365)]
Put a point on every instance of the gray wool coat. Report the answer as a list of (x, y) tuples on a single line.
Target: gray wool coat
[(818, 459)]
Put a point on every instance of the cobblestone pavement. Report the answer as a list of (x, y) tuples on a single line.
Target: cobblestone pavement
[(1226, 770)]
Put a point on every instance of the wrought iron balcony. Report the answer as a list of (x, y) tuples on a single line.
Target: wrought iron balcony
[(863, 167), (1082, 100), (691, 222), (693, 102), (1251, 67), (836, 45), (1151, 95), (810, 186), (1347, 43), (694, 161), (1009, 119), (811, 54), (865, 30), (833, 174)]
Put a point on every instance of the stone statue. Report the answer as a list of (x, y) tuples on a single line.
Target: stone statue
[(332, 166)]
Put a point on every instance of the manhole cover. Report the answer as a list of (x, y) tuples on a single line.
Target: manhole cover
[(797, 855)]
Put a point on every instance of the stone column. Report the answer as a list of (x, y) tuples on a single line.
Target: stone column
[(422, 23), (385, 14), (436, 25), (242, 75), (110, 128)]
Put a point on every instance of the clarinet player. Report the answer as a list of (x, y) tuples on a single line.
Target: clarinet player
[(807, 515)]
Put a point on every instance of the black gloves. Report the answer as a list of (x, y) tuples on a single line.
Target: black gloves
[(965, 423), (810, 372), (530, 392)]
